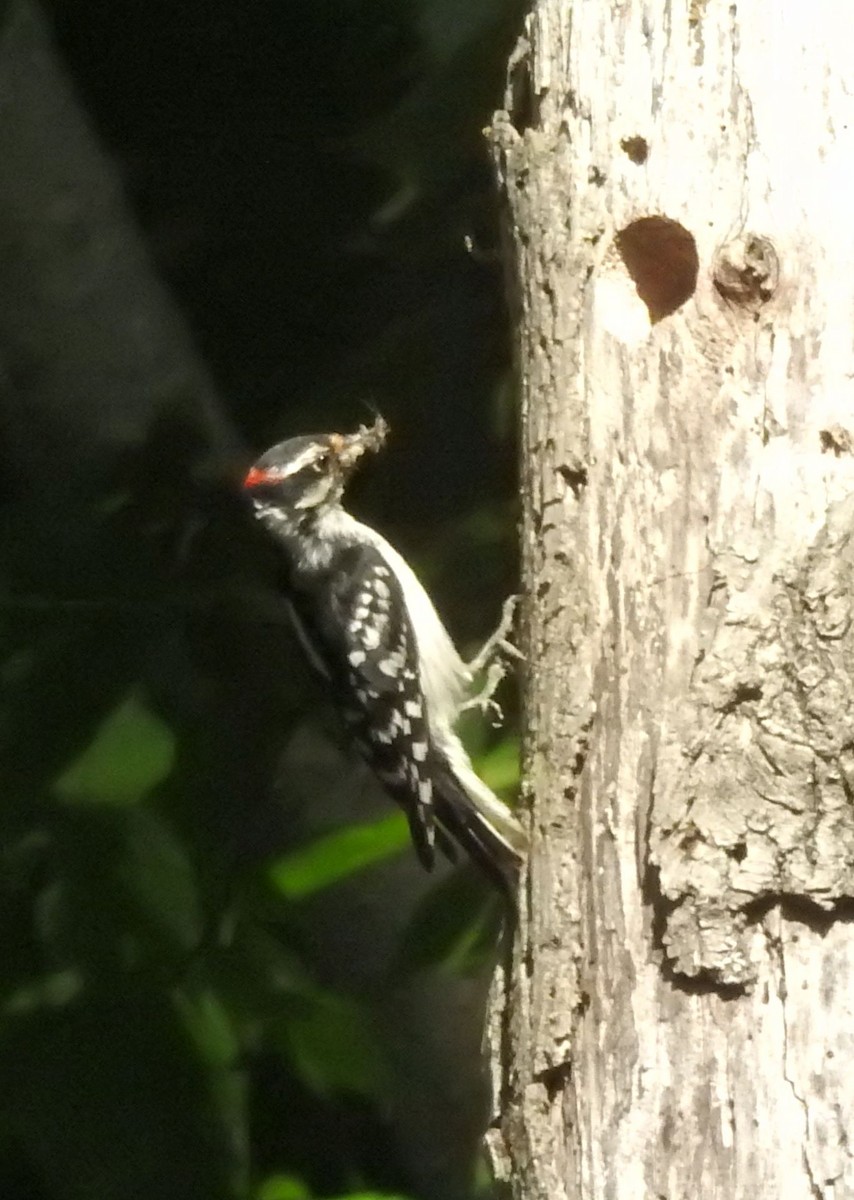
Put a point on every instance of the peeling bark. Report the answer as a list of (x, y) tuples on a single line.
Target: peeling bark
[(675, 1021)]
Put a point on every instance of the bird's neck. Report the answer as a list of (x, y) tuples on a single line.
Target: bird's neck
[(311, 537)]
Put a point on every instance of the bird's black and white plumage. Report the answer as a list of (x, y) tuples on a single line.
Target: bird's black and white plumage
[(369, 626)]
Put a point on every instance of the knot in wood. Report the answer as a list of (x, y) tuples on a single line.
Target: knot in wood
[(746, 271)]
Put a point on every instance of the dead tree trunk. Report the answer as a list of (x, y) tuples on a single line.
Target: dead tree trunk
[(677, 1020)]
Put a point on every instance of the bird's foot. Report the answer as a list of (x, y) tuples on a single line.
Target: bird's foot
[(492, 659)]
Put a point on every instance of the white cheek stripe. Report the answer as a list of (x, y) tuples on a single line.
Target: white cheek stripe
[(309, 455)]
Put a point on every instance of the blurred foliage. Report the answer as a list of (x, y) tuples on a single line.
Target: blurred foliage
[(333, 857), (215, 939)]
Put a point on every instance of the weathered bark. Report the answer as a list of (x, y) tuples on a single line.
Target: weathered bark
[(676, 1021)]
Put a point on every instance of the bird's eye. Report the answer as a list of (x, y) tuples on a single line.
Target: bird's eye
[(321, 462)]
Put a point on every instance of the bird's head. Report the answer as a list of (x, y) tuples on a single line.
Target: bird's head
[(305, 476)]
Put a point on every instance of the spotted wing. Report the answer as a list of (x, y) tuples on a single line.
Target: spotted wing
[(366, 644)]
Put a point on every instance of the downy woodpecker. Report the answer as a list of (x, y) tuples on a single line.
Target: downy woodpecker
[(369, 627)]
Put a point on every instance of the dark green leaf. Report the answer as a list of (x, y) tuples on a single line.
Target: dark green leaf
[(499, 767), (218, 1045), (283, 1187), (132, 751), (456, 927), (335, 857), (330, 1042), (256, 974), (112, 1101), (123, 895), (74, 671)]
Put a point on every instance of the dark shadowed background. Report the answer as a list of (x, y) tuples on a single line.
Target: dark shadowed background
[(221, 223)]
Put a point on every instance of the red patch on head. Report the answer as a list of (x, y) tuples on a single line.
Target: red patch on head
[(256, 476)]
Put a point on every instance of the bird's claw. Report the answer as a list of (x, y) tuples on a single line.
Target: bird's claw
[(491, 658)]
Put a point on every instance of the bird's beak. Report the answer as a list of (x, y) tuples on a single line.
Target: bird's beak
[(349, 448)]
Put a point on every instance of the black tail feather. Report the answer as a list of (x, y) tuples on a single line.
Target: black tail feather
[(467, 826)]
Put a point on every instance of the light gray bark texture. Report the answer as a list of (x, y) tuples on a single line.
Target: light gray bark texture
[(677, 1019)]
